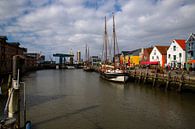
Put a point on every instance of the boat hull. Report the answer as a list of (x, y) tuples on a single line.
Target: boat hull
[(115, 77), (88, 69), (70, 67)]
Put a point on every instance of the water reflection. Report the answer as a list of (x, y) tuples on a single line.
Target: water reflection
[(75, 99), (113, 84)]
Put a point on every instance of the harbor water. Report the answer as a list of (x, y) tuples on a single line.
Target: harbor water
[(74, 99)]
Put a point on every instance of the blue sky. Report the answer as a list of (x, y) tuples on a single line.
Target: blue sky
[(53, 26)]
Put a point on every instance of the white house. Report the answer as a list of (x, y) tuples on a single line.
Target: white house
[(158, 54), (176, 53)]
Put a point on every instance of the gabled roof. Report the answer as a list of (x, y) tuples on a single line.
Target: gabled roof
[(126, 52), (136, 52), (133, 52), (192, 35), (162, 49), (181, 43), (148, 50)]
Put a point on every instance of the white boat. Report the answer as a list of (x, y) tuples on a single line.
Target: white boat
[(115, 76), (70, 67), (110, 72)]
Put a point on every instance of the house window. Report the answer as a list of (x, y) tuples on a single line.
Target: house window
[(157, 58), (169, 56), (174, 57), (152, 57), (180, 55), (192, 54), (190, 46), (174, 48)]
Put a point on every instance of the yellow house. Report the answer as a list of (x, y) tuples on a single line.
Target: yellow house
[(134, 60), (131, 58), (124, 59)]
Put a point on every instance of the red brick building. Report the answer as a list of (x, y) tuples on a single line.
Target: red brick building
[(7, 51)]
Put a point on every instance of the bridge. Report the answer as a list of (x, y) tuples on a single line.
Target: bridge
[(62, 57)]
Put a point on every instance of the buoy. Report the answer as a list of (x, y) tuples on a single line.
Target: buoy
[(28, 125)]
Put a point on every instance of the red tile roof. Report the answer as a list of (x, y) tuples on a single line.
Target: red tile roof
[(181, 43), (162, 49), (148, 50)]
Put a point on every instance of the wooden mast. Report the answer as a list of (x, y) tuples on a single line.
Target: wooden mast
[(114, 41), (106, 43), (86, 53)]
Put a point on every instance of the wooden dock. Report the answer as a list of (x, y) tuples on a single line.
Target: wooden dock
[(178, 80)]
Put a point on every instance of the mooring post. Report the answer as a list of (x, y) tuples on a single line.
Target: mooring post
[(146, 75), (168, 80), (11, 116), (164, 80), (135, 75), (14, 91), (155, 77), (181, 82), (14, 103), (140, 76)]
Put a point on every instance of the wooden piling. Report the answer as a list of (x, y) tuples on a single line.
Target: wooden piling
[(140, 76), (155, 78), (178, 81), (146, 76), (134, 75), (181, 82), (168, 80)]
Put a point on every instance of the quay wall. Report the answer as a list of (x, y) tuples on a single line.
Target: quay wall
[(179, 80)]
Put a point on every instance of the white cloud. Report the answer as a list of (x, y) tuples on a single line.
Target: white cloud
[(54, 26), (10, 8)]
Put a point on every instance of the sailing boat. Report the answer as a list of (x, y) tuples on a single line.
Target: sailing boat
[(112, 72), (87, 65)]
